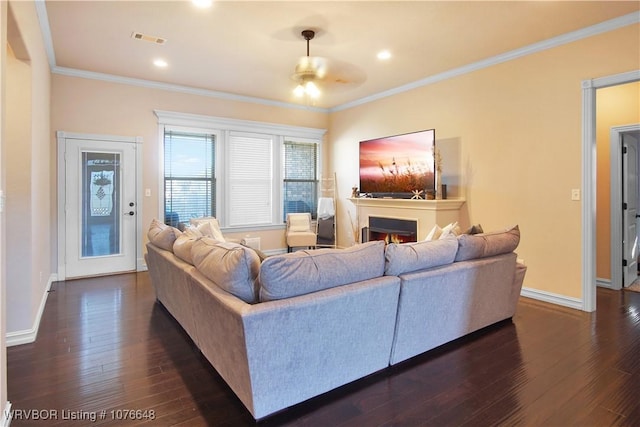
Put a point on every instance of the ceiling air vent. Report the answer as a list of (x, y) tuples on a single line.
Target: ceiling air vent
[(148, 38)]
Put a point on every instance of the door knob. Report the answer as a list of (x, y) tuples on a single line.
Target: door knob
[(130, 213)]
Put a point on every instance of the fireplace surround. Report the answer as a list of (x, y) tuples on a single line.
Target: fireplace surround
[(425, 213)]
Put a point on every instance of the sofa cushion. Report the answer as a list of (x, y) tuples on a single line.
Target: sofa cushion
[(303, 272), (407, 257), (471, 246), (231, 266), (183, 244), (162, 235)]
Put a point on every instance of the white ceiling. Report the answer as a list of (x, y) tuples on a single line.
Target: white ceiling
[(250, 48)]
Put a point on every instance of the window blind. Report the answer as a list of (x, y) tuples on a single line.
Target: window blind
[(189, 176), (250, 174), (300, 183)]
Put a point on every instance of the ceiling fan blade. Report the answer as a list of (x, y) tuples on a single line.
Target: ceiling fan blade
[(341, 73)]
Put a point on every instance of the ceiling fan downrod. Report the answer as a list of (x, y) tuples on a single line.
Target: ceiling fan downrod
[(308, 35)]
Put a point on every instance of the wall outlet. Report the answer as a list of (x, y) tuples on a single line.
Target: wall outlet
[(147, 192), (575, 194)]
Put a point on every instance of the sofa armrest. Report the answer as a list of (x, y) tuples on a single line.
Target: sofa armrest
[(518, 280)]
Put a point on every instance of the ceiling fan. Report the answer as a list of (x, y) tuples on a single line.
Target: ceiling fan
[(309, 70)]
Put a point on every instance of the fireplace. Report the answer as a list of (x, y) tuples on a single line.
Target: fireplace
[(391, 230)]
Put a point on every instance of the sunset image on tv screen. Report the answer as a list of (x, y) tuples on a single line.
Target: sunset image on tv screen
[(398, 164)]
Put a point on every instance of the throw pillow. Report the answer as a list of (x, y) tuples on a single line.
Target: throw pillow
[(450, 230), (474, 229), (209, 227), (162, 235), (434, 234), (230, 266), (183, 244)]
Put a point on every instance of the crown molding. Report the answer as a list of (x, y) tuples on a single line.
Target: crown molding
[(74, 72), (43, 19)]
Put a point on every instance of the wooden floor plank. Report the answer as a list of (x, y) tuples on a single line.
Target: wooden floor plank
[(106, 346)]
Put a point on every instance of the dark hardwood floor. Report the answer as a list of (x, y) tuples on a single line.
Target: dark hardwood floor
[(105, 346)]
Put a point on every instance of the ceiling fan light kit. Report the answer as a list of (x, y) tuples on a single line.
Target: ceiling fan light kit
[(308, 70), (308, 88)]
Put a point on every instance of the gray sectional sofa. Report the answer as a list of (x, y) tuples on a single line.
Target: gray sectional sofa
[(293, 326)]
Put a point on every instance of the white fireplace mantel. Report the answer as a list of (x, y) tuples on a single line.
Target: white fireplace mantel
[(426, 213), (432, 205)]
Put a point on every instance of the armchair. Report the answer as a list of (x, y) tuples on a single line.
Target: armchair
[(299, 231)]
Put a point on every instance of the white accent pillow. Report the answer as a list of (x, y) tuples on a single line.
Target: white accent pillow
[(434, 234), (450, 230), (209, 227)]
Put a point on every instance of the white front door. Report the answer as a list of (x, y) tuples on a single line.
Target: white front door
[(100, 207), (630, 212)]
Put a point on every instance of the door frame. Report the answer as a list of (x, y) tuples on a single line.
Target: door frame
[(61, 137), (589, 170), (616, 201)]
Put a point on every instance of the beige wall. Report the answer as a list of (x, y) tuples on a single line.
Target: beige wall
[(26, 160), (3, 264), (18, 191), (519, 129), (98, 107), (615, 106)]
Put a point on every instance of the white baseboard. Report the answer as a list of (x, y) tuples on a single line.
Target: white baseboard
[(141, 265), (604, 283), (6, 415), (552, 298), (27, 336)]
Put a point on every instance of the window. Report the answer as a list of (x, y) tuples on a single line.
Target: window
[(189, 176), (250, 179), (247, 174), (300, 178)]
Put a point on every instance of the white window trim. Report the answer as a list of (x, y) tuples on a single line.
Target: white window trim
[(221, 127)]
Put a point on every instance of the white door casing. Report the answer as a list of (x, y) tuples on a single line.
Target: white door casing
[(630, 208), (589, 88), (98, 205)]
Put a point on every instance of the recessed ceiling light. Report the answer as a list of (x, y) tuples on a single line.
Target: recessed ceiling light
[(202, 4), (160, 63), (383, 55)]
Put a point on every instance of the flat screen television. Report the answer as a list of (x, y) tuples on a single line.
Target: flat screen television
[(397, 166)]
